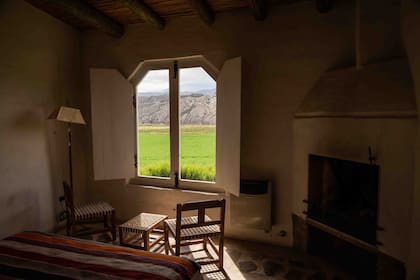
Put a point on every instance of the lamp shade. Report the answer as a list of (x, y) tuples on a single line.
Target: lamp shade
[(68, 115)]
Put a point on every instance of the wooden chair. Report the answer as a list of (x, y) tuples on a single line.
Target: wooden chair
[(196, 229), (88, 213)]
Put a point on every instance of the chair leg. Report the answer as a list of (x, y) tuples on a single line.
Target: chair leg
[(106, 221), (70, 226), (68, 230), (166, 238), (113, 226), (71, 229), (205, 240), (220, 253), (177, 246)]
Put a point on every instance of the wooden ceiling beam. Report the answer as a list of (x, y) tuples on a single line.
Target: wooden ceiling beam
[(324, 6), (259, 9), (203, 9), (87, 13), (145, 12)]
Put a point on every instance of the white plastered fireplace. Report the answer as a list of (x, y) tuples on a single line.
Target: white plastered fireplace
[(342, 117)]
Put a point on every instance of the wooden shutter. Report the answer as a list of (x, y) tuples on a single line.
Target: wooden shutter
[(112, 125), (228, 126)]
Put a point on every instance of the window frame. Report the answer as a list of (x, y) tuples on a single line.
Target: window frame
[(135, 79)]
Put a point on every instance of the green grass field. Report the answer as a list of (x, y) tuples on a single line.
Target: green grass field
[(197, 151)]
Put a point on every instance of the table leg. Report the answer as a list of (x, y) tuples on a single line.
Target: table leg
[(146, 241)]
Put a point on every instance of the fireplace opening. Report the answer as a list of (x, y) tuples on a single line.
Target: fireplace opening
[(343, 194)]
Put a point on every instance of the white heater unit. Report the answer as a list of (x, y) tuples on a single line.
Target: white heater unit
[(252, 209)]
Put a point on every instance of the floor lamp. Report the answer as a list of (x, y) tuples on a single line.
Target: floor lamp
[(71, 116)]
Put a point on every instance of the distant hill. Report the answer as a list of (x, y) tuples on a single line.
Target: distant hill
[(209, 91), (195, 108)]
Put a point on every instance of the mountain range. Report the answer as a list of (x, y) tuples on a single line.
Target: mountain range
[(195, 108), (206, 91)]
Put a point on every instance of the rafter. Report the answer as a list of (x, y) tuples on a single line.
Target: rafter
[(259, 9), (324, 6), (87, 13), (145, 12), (203, 9)]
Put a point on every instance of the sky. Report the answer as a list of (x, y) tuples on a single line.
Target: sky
[(191, 80)]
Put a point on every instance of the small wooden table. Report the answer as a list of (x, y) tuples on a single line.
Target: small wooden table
[(136, 232)]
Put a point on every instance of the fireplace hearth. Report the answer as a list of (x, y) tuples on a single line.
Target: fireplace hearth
[(359, 262)]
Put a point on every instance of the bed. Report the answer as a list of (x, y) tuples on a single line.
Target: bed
[(48, 256)]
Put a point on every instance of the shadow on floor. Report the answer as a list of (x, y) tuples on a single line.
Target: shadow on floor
[(244, 260)]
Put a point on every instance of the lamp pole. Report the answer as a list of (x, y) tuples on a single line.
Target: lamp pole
[(70, 158), (68, 115)]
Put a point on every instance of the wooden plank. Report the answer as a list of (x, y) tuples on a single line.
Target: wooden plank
[(145, 12), (116, 10), (122, 14), (227, 5), (210, 203), (353, 240), (203, 9), (87, 13), (258, 8)]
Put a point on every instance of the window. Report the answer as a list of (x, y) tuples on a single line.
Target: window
[(184, 127), (176, 124), (197, 107), (153, 139)]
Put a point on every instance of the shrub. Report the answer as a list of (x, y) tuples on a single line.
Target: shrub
[(198, 172), (159, 169), (190, 172)]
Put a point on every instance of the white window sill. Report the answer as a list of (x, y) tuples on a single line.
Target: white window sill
[(135, 184)]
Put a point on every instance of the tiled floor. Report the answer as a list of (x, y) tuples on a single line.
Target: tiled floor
[(249, 260)]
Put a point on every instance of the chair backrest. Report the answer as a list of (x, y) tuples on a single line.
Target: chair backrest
[(201, 207), (68, 198)]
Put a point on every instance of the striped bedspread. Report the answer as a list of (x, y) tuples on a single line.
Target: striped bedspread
[(36, 255)]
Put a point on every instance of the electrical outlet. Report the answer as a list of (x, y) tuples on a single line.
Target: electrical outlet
[(282, 233), (278, 231)]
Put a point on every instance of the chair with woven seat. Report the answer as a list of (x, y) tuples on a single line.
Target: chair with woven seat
[(190, 230), (88, 213)]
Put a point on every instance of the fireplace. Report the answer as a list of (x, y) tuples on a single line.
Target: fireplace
[(341, 222), (343, 204), (343, 194)]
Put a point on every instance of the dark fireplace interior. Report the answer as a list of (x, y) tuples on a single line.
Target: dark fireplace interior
[(343, 194)]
